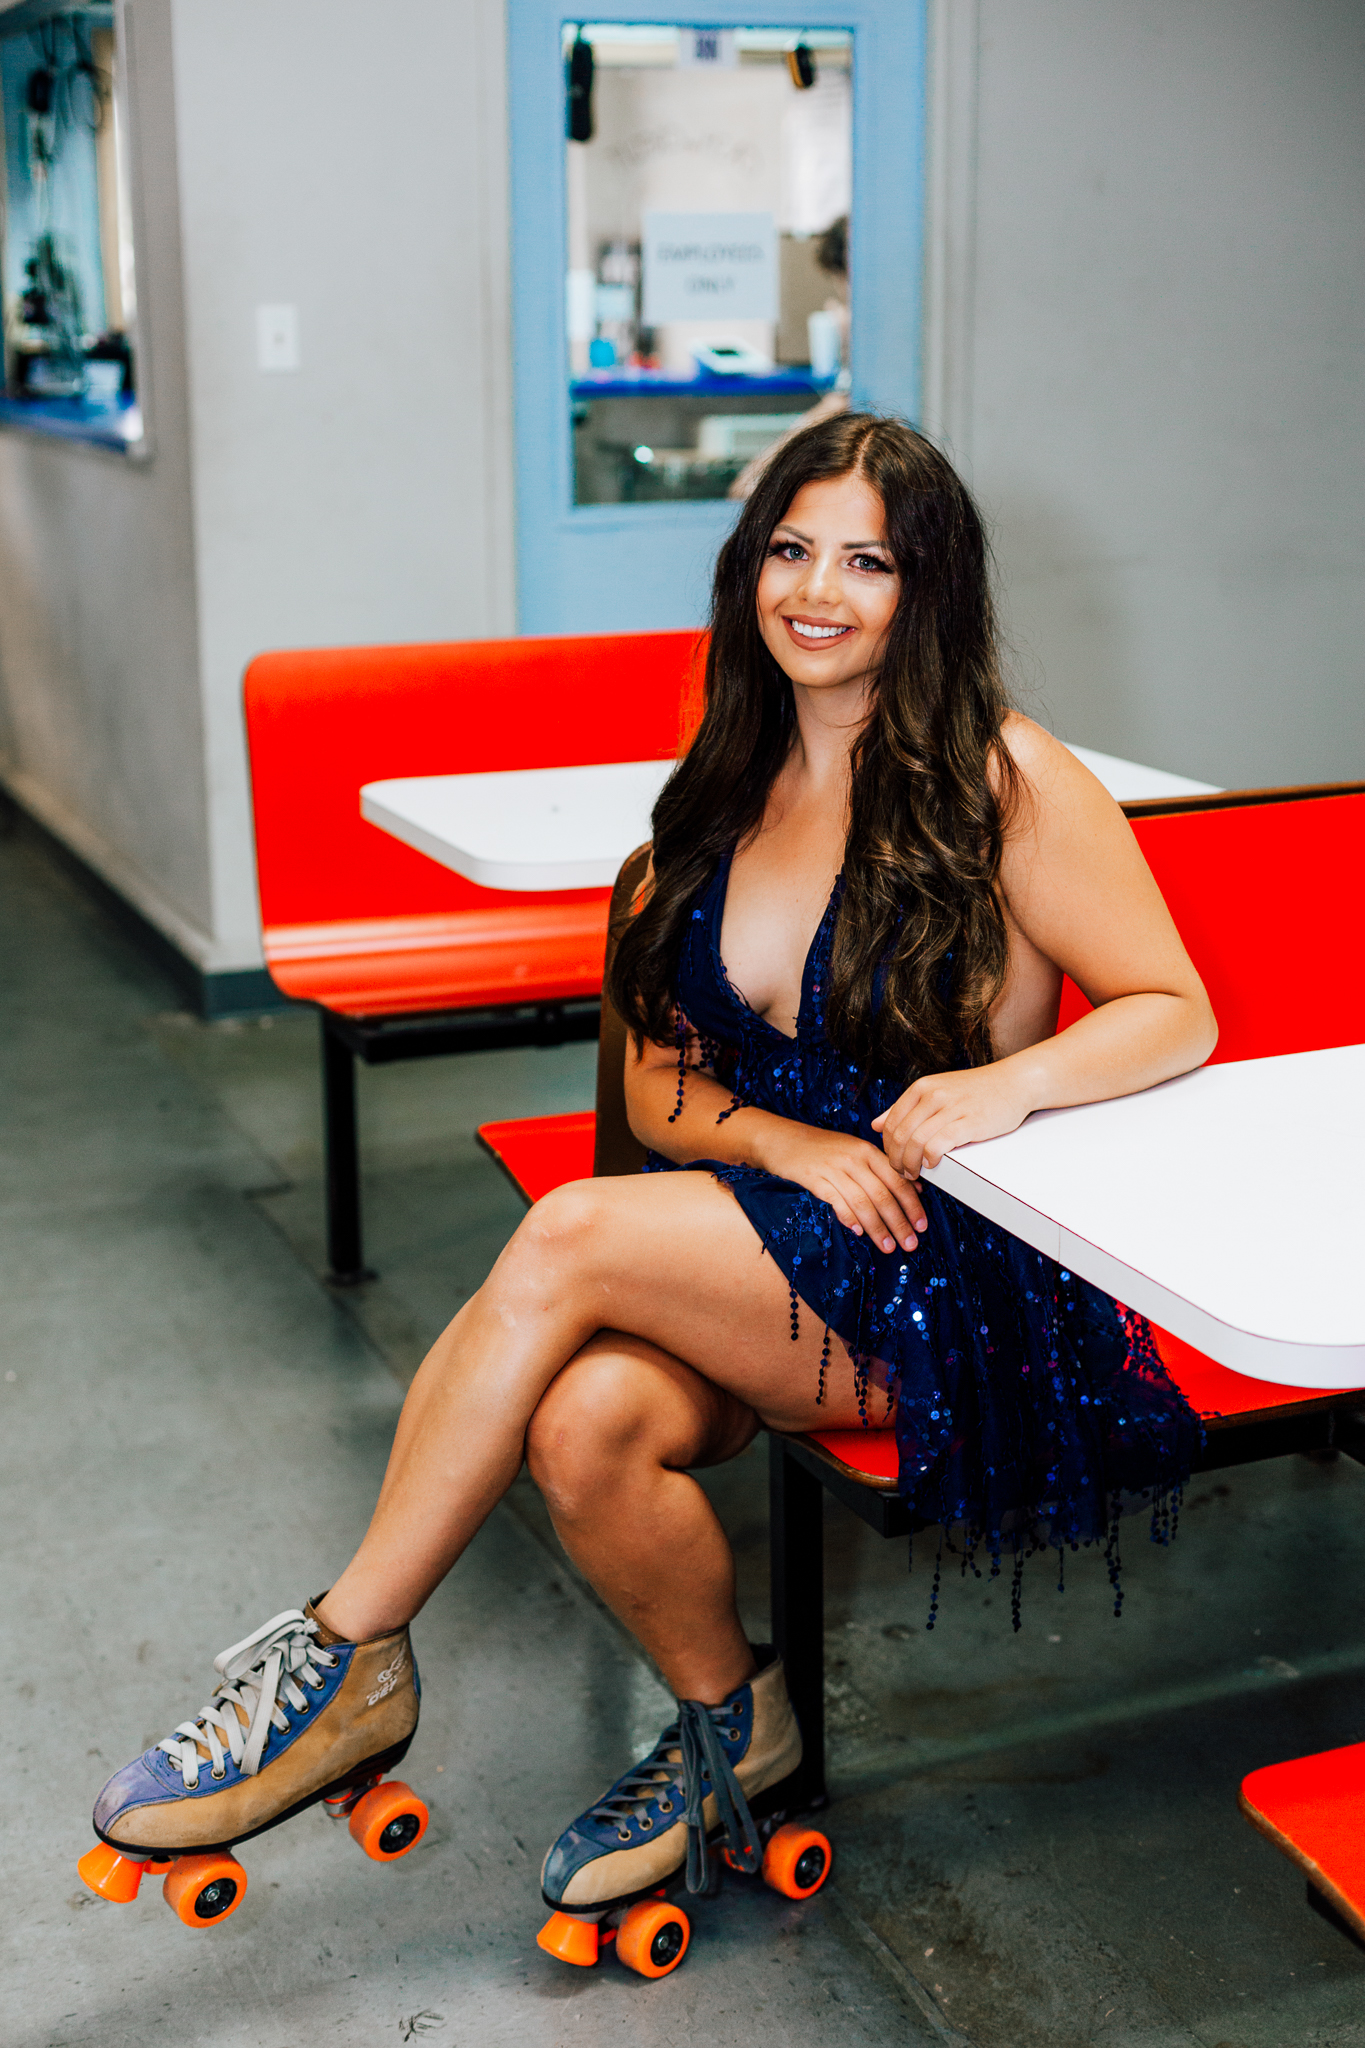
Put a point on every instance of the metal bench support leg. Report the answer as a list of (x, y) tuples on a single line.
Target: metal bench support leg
[(796, 1535), (344, 1258)]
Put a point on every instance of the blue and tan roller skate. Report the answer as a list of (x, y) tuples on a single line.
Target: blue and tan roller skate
[(298, 1717), (714, 1792)]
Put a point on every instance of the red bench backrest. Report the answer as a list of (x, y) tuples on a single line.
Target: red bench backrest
[(1270, 901), (1269, 898), (322, 722)]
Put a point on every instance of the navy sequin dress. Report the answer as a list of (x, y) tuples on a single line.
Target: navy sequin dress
[(1029, 1407)]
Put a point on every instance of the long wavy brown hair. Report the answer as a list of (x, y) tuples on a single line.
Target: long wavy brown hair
[(920, 945)]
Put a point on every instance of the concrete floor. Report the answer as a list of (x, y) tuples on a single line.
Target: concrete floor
[(1037, 1838)]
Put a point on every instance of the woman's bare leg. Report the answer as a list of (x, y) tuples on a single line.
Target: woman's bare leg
[(608, 1447), (670, 1258)]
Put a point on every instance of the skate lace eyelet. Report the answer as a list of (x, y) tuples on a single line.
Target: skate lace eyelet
[(645, 1823), (218, 1776), (665, 1806), (733, 1734), (623, 1834)]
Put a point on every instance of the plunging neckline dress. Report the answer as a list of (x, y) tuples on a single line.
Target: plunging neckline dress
[(1029, 1408)]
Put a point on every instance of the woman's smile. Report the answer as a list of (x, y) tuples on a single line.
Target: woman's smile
[(812, 632)]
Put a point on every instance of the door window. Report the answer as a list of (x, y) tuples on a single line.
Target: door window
[(709, 187)]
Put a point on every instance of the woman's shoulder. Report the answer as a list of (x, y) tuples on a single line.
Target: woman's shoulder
[(1033, 750), (1047, 775)]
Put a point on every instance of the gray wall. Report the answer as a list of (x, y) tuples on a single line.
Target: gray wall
[(1167, 386), (349, 160), (100, 715)]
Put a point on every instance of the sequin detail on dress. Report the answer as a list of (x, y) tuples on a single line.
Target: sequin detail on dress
[(1029, 1408)]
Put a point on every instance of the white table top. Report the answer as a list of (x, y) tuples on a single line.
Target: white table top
[(1227, 1205), (571, 828), (524, 828), (1129, 782)]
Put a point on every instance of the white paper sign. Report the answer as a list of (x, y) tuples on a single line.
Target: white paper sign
[(700, 266)]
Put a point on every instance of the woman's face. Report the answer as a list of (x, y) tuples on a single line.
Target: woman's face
[(828, 588)]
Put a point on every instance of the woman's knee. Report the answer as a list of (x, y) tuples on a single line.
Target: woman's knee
[(563, 1235), (593, 1418), (572, 1214)]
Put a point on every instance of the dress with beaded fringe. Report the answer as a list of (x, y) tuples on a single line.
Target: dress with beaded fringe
[(1029, 1408)]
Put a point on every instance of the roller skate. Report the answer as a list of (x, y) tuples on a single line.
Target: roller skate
[(714, 1793), (299, 1717)]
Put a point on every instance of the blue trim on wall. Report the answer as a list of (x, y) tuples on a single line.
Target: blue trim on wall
[(778, 383), (116, 424), (633, 568)]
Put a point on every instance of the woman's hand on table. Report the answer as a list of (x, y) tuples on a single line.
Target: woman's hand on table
[(861, 1185), (940, 1111)]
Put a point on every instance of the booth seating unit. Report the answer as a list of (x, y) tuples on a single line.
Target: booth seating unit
[(1268, 891), (402, 957)]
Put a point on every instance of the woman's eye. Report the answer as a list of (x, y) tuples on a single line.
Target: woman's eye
[(786, 551), (873, 562)]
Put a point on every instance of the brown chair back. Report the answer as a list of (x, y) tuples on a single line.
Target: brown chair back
[(616, 1149)]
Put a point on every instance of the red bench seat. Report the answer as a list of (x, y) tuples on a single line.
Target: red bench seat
[(447, 960), (1313, 1809)]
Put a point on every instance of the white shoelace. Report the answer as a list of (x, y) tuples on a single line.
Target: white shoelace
[(258, 1674)]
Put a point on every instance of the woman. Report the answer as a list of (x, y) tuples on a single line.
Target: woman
[(868, 879)]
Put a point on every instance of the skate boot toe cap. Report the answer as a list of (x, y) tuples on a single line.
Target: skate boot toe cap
[(586, 1867), (138, 1784), (562, 1860)]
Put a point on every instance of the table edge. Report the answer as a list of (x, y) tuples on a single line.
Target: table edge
[(1254, 1355)]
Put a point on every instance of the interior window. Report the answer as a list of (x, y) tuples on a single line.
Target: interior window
[(68, 275), (709, 183)]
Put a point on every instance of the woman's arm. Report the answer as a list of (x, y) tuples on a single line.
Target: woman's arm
[(859, 1182), (1079, 895)]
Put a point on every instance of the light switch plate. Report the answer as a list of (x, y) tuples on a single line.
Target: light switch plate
[(277, 337)]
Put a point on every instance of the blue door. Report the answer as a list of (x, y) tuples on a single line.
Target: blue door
[(706, 156)]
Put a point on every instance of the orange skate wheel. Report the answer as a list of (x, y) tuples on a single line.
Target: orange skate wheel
[(573, 1941), (796, 1861), (389, 1821), (653, 1938), (201, 1890), (110, 1873)]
